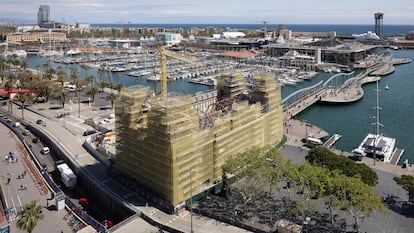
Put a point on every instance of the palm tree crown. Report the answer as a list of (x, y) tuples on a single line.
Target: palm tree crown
[(29, 216)]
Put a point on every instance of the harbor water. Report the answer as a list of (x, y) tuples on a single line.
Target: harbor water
[(178, 86), (355, 120)]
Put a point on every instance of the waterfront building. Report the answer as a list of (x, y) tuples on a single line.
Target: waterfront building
[(168, 38), (36, 36), (341, 54), (161, 139)]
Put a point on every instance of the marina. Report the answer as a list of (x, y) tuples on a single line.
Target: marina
[(353, 121)]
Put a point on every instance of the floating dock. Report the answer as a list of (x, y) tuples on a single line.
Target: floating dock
[(332, 140), (396, 155)]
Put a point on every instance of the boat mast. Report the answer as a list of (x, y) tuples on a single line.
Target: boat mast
[(377, 122)]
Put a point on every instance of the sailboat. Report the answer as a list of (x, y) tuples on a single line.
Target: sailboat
[(376, 145), (386, 87)]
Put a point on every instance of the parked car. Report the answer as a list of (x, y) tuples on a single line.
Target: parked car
[(16, 124), (35, 139), (89, 132), (39, 122)]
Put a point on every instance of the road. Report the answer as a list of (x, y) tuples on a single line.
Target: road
[(68, 131)]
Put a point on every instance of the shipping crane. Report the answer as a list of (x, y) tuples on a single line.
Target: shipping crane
[(164, 53)]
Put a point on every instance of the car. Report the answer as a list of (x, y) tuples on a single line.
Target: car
[(26, 132), (45, 150), (39, 122), (35, 139), (89, 132), (16, 124)]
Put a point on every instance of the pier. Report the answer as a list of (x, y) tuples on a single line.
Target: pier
[(340, 88), (332, 140), (396, 155)]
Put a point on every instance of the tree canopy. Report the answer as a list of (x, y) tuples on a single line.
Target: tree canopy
[(29, 216), (323, 157)]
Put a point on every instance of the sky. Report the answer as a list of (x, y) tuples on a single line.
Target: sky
[(213, 11)]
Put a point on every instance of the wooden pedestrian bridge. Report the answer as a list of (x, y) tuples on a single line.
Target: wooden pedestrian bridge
[(340, 88)]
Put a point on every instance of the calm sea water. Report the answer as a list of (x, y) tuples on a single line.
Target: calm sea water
[(339, 28)]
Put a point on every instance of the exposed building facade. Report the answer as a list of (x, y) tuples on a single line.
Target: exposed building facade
[(157, 148)]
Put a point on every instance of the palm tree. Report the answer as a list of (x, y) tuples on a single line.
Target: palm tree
[(101, 73), (102, 85), (46, 91), (9, 85), (92, 92), (29, 216), (61, 76), (25, 98), (24, 64), (85, 68), (62, 98), (111, 97), (90, 79), (78, 89), (74, 74), (119, 87), (37, 66)]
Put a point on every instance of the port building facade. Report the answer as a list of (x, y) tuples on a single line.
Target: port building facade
[(167, 145)]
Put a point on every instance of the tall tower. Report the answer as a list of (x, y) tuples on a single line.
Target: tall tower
[(43, 15), (378, 23)]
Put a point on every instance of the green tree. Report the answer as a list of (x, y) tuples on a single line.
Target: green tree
[(74, 74), (92, 92), (62, 98), (9, 85), (90, 79), (23, 98), (85, 68), (119, 87), (61, 76), (358, 198), (102, 85), (78, 90), (111, 97), (29, 216), (323, 157)]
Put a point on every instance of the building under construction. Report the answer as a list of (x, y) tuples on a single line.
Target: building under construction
[(163, 138)]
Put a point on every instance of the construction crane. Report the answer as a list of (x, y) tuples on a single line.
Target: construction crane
[(164, 53), (264, 28)]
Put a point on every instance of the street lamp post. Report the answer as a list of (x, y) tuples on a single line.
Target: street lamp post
[(191, 201), (306, 128)]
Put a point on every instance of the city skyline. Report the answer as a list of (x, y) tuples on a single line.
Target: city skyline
[(213, 11)]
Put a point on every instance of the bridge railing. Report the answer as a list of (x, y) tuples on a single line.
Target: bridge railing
[(301, 93), (338, 79)]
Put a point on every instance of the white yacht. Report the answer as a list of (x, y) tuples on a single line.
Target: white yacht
[(377, 146)]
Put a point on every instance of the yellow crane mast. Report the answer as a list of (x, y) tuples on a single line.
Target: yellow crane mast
[(164, 53)]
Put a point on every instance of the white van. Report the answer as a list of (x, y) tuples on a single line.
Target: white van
[(313, 142), (45, 150)]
